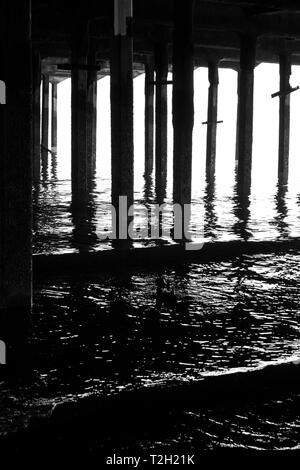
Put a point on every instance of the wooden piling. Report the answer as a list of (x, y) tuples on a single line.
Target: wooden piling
[(245, 112), (79, 112), (91, 115), (284, 120), (16, 147), (121, 76), (212, 117), (45, 125), (54, 118), (161, 114), (149, 116), (237, 119), (183, 100), (36, 125)]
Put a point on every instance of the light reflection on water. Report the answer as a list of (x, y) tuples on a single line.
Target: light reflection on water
[(222, 316), (103, 333), (58, 229)]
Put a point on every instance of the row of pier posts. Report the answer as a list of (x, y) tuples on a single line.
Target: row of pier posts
[(84, 96), (40, 124), (22, 138)]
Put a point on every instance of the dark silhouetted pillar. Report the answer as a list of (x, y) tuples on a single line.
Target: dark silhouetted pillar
[(92, 116), (79, 112), (16, 147), (284, 120), (122, 105), (212, 116), (45, 124), (54, 118), (161, 114), (245, 112), (36, 125), (237, 119), (183, 100), (149, 116)]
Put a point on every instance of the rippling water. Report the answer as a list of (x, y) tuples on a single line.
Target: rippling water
[(221, 316), (102, 334), (214, 216)]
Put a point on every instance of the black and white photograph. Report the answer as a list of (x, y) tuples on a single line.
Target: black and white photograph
[(149, 230)]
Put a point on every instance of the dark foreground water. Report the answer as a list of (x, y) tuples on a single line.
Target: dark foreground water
[(101, 334)]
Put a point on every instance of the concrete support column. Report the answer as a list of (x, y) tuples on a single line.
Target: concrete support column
[(36, 125), (91, 116), (161, 115), (54, 118), (245, 112), (183, 100), (284, 120), (79, 112), (16, 148), (121, 75), (45, 124), (212, 117), (149, 116)]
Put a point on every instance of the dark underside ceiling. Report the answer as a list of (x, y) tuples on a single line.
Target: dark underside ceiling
[(218, 25)]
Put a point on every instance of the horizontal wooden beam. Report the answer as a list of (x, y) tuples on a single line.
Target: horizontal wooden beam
[(284, 92), (212, 122)]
